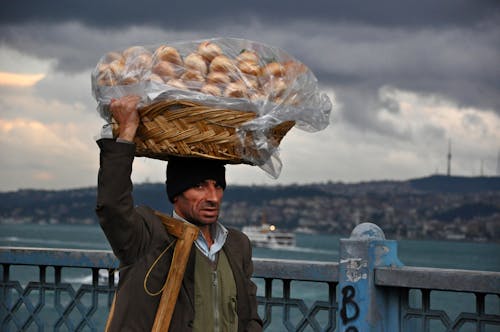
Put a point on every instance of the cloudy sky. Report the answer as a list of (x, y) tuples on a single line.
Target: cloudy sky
[(405, 78)]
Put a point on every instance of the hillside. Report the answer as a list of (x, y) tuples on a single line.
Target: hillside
[(456, 184), (434, 206)]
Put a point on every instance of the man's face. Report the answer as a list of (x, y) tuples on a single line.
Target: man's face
[(200, 205)]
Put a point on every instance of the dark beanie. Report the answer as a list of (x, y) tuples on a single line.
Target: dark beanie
[(185, 173)]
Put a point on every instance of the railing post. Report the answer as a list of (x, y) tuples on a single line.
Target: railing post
[(363, 306)]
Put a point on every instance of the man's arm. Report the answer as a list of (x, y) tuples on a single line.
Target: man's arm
[(115, 207)]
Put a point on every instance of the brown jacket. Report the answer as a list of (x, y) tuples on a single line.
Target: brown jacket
[(138, 237)]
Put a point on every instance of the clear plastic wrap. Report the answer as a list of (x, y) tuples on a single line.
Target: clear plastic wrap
[(228, 73)]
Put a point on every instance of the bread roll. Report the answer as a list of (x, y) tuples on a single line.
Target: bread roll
[(101, 67), (196, 62), (156, 78), (272, 69), (106, 77), (117, 67), (236, 90), (293, 69), (129, 80), (223, 64), (192, 75), (251, 82), (110, 69), (167, 53), (211, 89), (218, 78), (249, 68), (164, 69), (248, 56), (112, 56), (176, 83), (209, 50), (275, 88), (138, 65), (257, 96), (133, 52)]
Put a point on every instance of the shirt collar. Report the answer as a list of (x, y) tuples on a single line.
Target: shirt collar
[(219, 233)]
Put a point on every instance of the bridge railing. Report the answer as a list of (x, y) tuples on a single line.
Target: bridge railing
[(367, 290)]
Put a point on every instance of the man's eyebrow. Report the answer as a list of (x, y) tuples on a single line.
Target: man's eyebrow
[(206, 181)]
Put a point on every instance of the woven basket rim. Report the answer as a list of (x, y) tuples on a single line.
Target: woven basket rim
[(182, 128)]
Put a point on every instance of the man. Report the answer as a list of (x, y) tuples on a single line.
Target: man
[(217, 293)]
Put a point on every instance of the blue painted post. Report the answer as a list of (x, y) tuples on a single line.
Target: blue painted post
[(364, 307)]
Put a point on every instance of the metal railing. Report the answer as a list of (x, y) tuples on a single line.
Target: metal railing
[(59, 289), (71, 290), (481, 289)]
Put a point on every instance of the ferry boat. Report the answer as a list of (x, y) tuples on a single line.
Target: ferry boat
[(305, 230), (268, 236)]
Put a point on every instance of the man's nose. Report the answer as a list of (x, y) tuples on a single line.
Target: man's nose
[(212, 193)]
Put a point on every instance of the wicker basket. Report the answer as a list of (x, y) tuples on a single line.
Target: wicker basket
[(188, 129)]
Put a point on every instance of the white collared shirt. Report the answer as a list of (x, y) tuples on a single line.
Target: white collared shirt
[(219, 236)]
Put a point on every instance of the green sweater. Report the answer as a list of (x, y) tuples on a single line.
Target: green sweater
[(215, 295)]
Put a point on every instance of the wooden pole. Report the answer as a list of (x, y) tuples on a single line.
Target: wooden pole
[(186, 234)]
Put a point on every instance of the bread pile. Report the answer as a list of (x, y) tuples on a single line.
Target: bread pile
[(222, 98), (205, 68)]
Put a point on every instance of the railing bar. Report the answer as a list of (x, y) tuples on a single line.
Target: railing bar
[(426, 300), (111, 286), (86, 321), (332, 297), (268, 290), (42, 269), (24, 299), (41, 294), (403, 314), (42, 297), (6, 272), (269, 287), (286, 288), (286, 302), (480, 305), (95, 277), (439, 279), (57, 274), (480, 311)]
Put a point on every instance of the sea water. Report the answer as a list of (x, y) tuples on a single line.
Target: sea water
[(319, 247)]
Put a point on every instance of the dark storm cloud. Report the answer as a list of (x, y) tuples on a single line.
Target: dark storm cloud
[(447, 48), (183, 14), (404, 77)]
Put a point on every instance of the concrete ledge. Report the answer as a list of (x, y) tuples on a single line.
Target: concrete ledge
[(406, 276), (58, 257), (439, 279), (296, 270), (263, 268)]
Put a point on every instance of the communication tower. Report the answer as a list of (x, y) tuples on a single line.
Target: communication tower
[(498, 163), (448, 172)]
